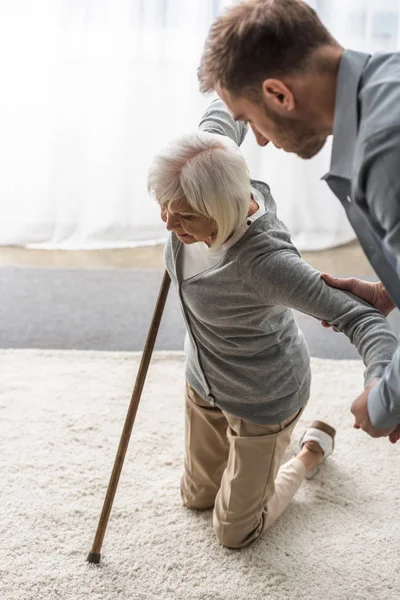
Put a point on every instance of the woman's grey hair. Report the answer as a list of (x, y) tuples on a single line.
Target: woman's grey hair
[(210, 172)]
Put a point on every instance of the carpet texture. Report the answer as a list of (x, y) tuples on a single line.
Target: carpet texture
[(61, 416), (77, 309)]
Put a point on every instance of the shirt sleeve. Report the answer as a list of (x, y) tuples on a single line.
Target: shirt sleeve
[(383, 399), (379, 183), (217, 119), (282, 277)]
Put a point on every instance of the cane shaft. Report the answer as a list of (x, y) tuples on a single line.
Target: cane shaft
[(94, 555)]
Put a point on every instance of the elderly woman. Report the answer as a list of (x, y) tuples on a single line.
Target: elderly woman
[(248, 376)]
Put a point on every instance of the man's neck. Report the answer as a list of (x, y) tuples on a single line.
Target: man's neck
[(317, 91)]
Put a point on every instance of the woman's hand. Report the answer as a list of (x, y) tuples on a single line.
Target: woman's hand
[(373, 293)]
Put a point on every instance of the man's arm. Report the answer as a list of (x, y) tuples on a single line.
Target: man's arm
[(362, 420), (217, 119), (378, 186), (384, 398)]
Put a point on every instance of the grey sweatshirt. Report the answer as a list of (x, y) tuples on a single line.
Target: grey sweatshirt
[(245, 352)]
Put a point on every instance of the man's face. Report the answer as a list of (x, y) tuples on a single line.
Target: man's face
[(189, 225), (289, 132)]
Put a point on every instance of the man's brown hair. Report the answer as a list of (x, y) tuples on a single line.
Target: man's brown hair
[(258, 39)]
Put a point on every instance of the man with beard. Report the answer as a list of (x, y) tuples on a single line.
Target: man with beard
[(277, 67)]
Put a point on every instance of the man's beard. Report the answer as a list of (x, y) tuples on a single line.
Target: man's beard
[(311, 147), (297, 137)]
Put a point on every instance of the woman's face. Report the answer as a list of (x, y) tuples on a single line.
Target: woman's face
[(189, 225)]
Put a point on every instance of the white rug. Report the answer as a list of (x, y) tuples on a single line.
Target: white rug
[(61, 417)]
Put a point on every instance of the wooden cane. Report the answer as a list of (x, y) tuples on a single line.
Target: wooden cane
[(94, 555)]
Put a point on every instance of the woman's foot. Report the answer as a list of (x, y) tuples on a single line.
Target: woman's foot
[(316, 444)]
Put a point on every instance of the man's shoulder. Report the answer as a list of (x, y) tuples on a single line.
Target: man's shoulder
[(379, 95)]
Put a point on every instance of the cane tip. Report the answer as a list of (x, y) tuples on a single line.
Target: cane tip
[(94, 557)]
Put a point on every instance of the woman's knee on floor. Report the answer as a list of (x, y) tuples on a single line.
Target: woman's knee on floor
[(197, 499), (198, 503), (234, 534)]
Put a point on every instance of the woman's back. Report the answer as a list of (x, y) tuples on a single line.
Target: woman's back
[(241, 349)]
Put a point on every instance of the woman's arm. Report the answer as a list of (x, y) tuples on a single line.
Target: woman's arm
[(281, 277), (217, 119), (374, 293)]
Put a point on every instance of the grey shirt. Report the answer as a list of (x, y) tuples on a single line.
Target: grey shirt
[(365, 176), (245, 352)]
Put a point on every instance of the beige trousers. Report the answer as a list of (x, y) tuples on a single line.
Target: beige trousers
[(235, 466)]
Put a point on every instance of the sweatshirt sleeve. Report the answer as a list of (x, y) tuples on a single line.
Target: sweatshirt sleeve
[(217, 119), (282, 277)]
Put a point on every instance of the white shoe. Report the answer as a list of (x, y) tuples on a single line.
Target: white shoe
[(323, 434)]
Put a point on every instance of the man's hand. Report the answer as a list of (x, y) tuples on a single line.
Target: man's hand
[(395, 435), (359, 408), (373, 293)]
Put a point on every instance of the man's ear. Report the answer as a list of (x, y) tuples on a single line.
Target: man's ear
[(278, 94)]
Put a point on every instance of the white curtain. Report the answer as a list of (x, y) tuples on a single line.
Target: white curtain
[(90, 89)]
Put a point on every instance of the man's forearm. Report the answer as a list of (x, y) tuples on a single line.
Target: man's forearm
[(384, 398)]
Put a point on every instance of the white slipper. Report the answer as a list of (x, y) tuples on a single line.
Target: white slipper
[(323, 434)]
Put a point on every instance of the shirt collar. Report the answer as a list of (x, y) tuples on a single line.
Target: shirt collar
[(345, 126)]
